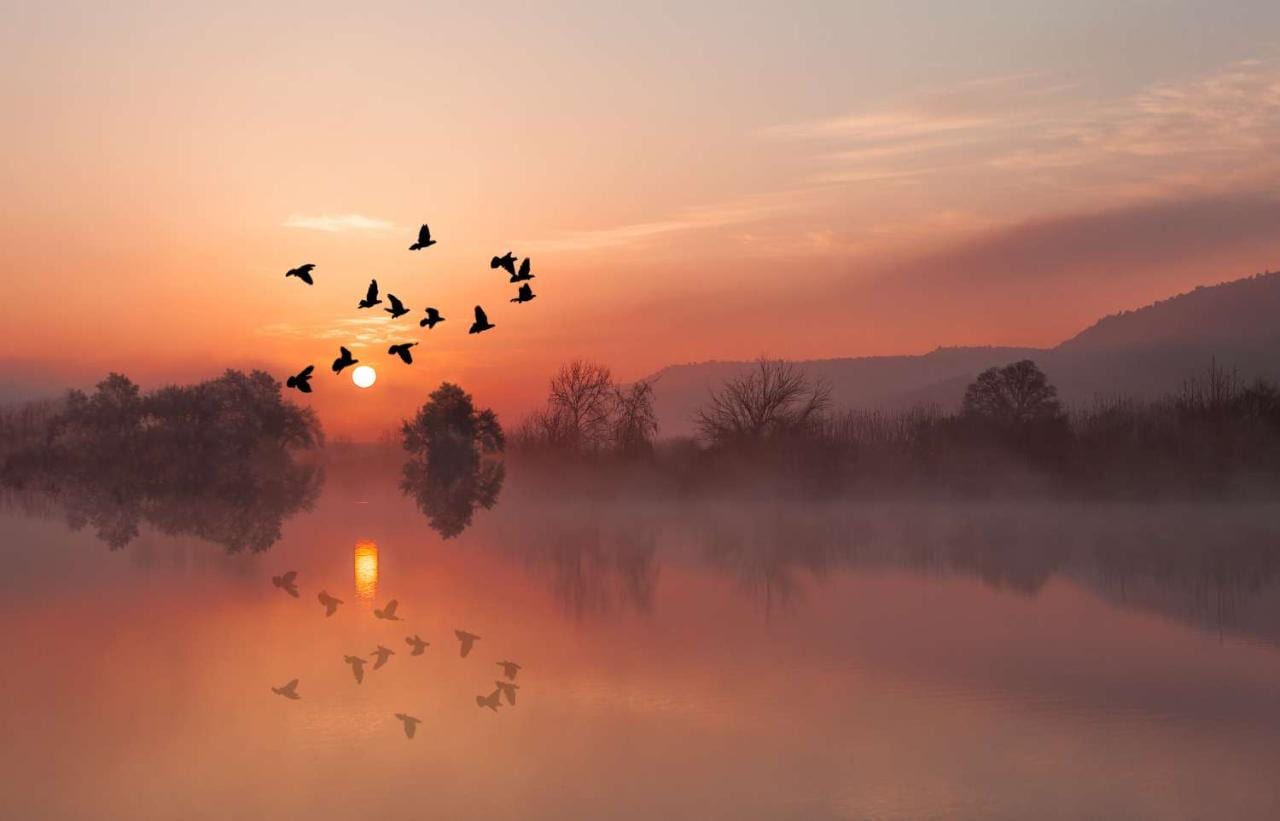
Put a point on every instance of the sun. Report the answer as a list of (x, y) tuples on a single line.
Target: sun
[(364, 376)]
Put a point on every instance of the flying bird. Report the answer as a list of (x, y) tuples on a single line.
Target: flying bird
[(410, 723), (388, 612), (509, 669), (289, 691), (302, 272), (467, 641), (346, 360), (509, 690), (371, 296), (433, 316), (490, 701), (415, 641), (330, 603), (287, 582), (397, 308), (526, 294), (402, 351), (507, 262), (482, 322), (381, 654), (424, 239), (301, 381), (523, 275), (357, 666)]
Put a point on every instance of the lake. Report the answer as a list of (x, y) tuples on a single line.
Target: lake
[(681, 659)]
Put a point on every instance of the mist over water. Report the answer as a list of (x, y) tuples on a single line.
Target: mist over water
[(682, 658)]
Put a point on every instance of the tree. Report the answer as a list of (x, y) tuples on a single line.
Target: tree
[(579, 407), (773, 400), (448, 427), (1012, 397), (634, 421)]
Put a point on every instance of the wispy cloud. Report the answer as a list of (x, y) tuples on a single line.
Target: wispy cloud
[(339, 223), (354, 331)]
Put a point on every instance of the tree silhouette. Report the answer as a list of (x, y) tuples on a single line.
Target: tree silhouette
[(1011, 397)]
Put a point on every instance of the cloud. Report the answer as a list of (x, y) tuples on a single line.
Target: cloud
[(356, 331), (339, 224)]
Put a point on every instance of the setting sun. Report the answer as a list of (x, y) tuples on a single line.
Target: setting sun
[(364, 376)]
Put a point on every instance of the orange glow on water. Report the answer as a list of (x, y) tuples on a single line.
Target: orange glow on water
[(366, 569)]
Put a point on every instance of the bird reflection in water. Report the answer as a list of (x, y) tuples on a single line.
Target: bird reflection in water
[(366, 569)]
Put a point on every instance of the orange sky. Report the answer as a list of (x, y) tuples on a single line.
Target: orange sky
[(714, 183)]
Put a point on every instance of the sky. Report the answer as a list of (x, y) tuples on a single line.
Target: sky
[(691, 181)]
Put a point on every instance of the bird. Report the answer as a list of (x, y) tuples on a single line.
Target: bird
[(402, 351), (433, 316), (302, 272), (330, 603), (388, 612), (289, 691), (507, 262), (381, 654), (397, 308), (287, 582), (482, 322), (371, 296), (467, 641), (523, 274), (346, 360), (301, 381), (509, 690), (357, 666), (410, 723), (509, 669), (526, 294), (424, 239), (490, 701), (415, 641)]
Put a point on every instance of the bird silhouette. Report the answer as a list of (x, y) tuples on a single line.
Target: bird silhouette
[(388, 612), (345, 360), (397, 308), (433, 316), (381, 654), (371, 296), (490, 701), (301, 381), (424, 239), (467, 641), (509, 669), (357, 666), (302, 272), (287, 582), (509, 690), (415, 641), (523, 275), (526, 294), (507, 262), (289, 691), (482, 322), (410, 723), (402, 351), (330, 603)]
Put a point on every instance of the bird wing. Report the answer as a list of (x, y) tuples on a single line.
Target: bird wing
[(525, 290), (305, 373), (432, 313), (288, 578), (372, 293), (480, 316), (524, 267), (291, 686), (424, 234), (390, 609), (346, 354)]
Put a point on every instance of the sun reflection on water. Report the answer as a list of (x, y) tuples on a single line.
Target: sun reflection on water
[(366, 569)]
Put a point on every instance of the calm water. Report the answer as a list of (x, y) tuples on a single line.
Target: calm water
[(680, 661)]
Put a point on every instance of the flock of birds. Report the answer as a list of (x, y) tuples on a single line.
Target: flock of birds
[(503, 689), (301, 381)]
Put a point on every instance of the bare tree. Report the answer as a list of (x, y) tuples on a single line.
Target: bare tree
[(582, 397), (634, 421), (773, 399)]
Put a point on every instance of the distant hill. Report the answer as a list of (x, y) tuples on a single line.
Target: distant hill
[(1141, 353)]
